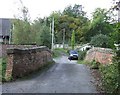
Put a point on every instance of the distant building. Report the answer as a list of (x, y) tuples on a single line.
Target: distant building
[(5, 28)]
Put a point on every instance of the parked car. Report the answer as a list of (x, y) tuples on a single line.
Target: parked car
[(73, 55)]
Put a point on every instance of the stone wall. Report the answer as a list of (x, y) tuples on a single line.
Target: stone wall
[(4, 47), (101, 55), (24, 61)]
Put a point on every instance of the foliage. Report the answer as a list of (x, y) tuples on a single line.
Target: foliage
[(94, 64), (82, 55), (42, 33), (3, 67), (74, 11), (101, 23), (81, 62), (73, 39), (115, 35), (22, 33), (43, 37), (110, 77), (117, 57), (100, 41), (72, 18), (116, 61), (58, 52)]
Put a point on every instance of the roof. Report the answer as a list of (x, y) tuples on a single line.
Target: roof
[(5, 25)]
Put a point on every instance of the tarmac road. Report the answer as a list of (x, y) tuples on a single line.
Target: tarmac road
[(63, 77)]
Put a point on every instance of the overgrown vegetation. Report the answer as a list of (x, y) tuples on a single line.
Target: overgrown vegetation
[(59, 51), (100, 40), (2, 68), (25, 32), (81, 55), (109, 74), (94, 64)]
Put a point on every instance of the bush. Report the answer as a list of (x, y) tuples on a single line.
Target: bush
[(59, 51), (43, 37), (110, 77), (94, 64), (100, 41), (3, 68), (81, 55)]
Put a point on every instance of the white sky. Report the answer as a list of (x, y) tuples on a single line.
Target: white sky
[(42, 8)]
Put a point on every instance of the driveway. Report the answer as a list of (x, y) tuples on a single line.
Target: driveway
[(63, 77)]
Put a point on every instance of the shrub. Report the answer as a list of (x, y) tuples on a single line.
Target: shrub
[(81, 55), (59, 51), (94, 64), (109, 74), (3, 68), (100, 41)]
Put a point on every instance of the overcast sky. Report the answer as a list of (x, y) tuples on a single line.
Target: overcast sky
[(42, 8)]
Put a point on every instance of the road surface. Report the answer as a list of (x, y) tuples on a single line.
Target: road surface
[(64, 77)]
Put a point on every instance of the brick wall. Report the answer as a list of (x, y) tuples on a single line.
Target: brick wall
[(24, 61), (101, 55)]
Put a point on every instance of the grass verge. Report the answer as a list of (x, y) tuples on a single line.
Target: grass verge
[(59, 51)]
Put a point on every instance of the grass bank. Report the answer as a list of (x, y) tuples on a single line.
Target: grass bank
[(59, 51)]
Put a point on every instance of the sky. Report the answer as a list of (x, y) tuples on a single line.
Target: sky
[(43, 8)]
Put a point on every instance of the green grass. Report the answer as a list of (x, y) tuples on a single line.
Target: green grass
[(59, 51), (81, 62)]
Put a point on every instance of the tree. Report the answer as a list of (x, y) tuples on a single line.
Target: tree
[(75, 11), (72, 18), (44, 37), (73, 40), (100, 41), (42, 32), (101, 23), (22, 33)]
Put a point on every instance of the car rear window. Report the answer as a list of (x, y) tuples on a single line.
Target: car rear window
[(73, 52)]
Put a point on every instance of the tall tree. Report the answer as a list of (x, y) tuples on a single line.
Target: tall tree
[(75, 11), (100, 23), (22, 33), (42, 32), (72, 18)]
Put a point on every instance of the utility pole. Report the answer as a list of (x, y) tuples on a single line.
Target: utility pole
[(118, 9), (52, 34), (64, 38), (50, 29)]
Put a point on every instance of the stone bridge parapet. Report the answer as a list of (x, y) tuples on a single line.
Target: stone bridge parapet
[(22, 61), (101, 55)]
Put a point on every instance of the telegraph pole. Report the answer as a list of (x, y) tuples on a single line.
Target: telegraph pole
[(50, 29), (52, 34), (118, 8)]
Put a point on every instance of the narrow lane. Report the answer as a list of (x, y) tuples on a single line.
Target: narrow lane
[(67, 77)]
